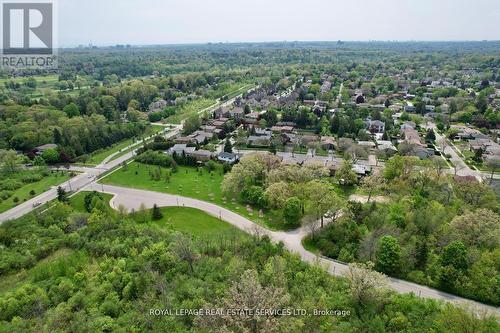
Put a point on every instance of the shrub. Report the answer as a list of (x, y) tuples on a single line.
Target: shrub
[(156, 158)]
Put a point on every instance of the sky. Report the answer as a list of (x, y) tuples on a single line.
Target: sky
[(145, 22)]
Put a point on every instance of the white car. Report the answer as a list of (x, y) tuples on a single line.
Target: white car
[(36, 204)]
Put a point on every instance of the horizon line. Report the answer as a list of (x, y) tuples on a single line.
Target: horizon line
[(277, 41)]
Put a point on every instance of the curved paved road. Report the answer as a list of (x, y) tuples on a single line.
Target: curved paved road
[(133, 198)]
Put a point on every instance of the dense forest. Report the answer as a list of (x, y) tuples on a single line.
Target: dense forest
[(69, 270), (434, 229)]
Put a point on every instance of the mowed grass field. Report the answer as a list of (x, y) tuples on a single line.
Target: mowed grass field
[(23, 193), (190, 182), (41, 81), (184, 219), (195, 222)]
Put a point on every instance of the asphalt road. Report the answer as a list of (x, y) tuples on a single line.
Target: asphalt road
[(134, 198), (86, 175), (462, 168)]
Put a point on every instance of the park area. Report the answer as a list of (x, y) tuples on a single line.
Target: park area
[(183, 219), (198, 183)]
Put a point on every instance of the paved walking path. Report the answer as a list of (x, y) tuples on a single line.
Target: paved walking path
[(133, 198)]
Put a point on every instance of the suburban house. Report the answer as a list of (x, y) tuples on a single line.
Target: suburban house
[(259, 140), (422, 152), (325, 87), (157, 106), (367, 144), (375, 126), (252, 118), (208, 128), (410, 108), (219, 123), (201, 136), (411, 136), (328, 142), (221, 113), (40, 149), (263, 131), (308, 139), (179, 149), (468, 133), (408, 125), (290, 138), (230, 158), (237, 113), (386, 146), (282, 129), (201, 155), (489, 147), (361, 169)]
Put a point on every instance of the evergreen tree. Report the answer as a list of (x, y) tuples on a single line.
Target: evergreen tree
[(57, 136), (228, 147), (156, 213), (62, 195)]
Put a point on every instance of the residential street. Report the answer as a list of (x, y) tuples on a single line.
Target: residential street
[(462, 168)]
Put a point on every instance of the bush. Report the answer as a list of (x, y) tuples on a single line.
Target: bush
[(211, 165), (253, 195), (31, 177), (292, 212), (89, 201), (10, 184), (156, 158), (4, 195)]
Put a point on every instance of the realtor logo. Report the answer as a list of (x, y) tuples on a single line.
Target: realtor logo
[(28, 34)]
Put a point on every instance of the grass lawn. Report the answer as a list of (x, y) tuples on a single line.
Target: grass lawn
[(77, 201), (23, 193), (300, 150), (195, 222), (42, 81), (99, 155), (188, 182), (310, 246), (188, 109), (346, 191)]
